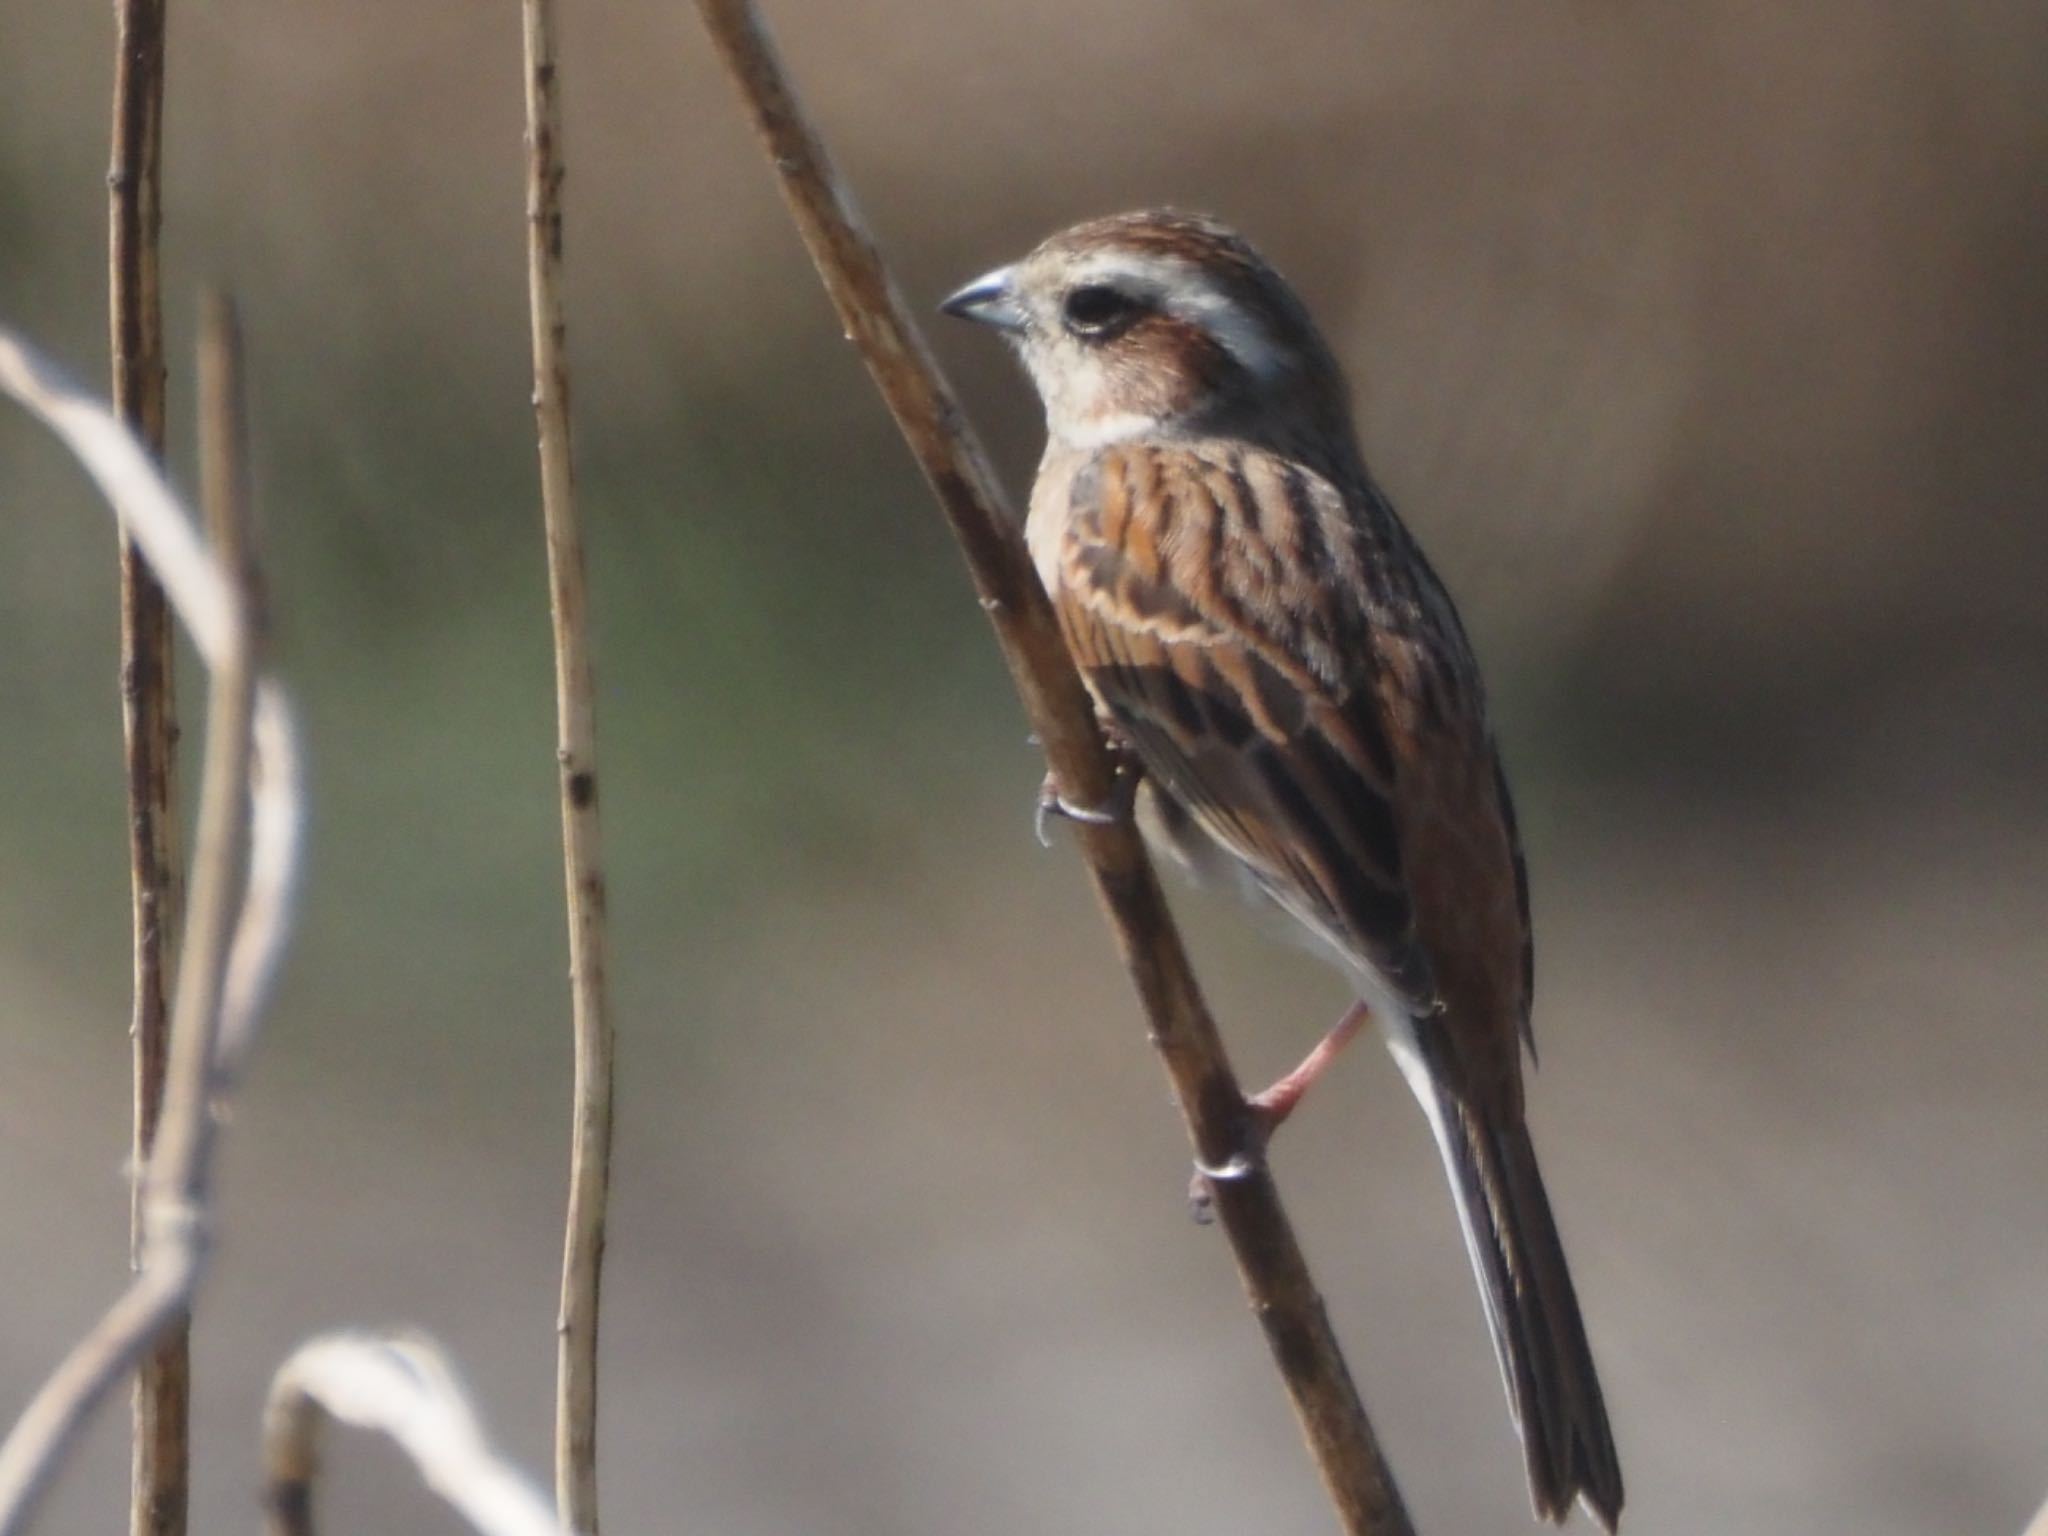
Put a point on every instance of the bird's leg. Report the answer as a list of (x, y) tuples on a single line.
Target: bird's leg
[(1123, 791), (1266, 1110), (1273, 1105)]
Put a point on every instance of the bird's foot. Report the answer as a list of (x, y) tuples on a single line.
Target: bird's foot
[(1241, 1164), (1266, 1111), (1052, 803), (1261, 1120), (1123, 790)]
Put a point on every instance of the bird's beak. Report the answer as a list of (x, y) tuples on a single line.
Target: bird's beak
[(988, 300)]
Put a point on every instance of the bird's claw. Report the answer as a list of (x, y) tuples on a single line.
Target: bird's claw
[(1052, 803), (1242, 1163), (1122, 792)]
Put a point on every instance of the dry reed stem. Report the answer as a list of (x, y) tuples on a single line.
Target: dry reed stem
[(161, 1409), (590, 1144), (402, 1388), (248, 777), (1246, 1200)]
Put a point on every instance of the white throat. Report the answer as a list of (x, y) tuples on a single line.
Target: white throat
[(1101, 431)]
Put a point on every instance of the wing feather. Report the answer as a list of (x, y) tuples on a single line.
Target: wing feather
[(1194, 589)]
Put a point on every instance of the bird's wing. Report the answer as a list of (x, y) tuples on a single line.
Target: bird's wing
[(1213, 599)]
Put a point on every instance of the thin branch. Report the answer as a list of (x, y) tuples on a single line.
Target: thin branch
[(1246, 1201), (403, 1388), (224, 460), (161, 1408), (590, 1143), (224, 968)]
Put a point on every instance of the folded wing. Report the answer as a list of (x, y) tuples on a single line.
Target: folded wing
[(1210, 597)]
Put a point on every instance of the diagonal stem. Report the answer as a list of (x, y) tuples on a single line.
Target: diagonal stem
[(1247, 1202)]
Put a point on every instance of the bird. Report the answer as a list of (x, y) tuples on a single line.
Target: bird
[(1304, 720)]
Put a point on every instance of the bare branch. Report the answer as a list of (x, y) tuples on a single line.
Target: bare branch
[(590, 1142), (1276, 1276), (402, 1388), (163, 1389), (272, 813), (223, 968)]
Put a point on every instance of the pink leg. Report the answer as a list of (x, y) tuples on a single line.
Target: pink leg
[(1271, 1107), (1274, 1105)]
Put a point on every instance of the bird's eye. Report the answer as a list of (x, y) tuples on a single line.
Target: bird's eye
[(1097, 311)]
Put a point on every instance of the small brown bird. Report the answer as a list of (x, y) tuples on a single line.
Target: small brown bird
[(1264, 639)]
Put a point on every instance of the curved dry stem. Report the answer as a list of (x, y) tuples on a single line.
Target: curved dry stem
[(403, 1388), (1276, 1276), (590, 1142), (270, 884), (249, 775)]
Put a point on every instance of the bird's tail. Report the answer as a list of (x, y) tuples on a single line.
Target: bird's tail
[(1538, 1335)]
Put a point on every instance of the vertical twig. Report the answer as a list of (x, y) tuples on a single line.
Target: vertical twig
[(248, 778), (1247, 1202), (161, 1408), (230, 527), (576, 750)]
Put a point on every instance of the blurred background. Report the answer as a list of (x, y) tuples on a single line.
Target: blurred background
[(1704, 348)]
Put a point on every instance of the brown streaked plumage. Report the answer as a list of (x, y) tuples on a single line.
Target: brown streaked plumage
[(1265, 638)]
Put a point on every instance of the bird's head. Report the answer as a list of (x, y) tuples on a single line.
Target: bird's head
[(1158, 323)]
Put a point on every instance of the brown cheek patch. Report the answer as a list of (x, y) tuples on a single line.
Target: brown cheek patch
[(1166, 366)]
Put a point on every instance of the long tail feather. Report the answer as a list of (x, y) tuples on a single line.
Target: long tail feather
[(1531, 1308)]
